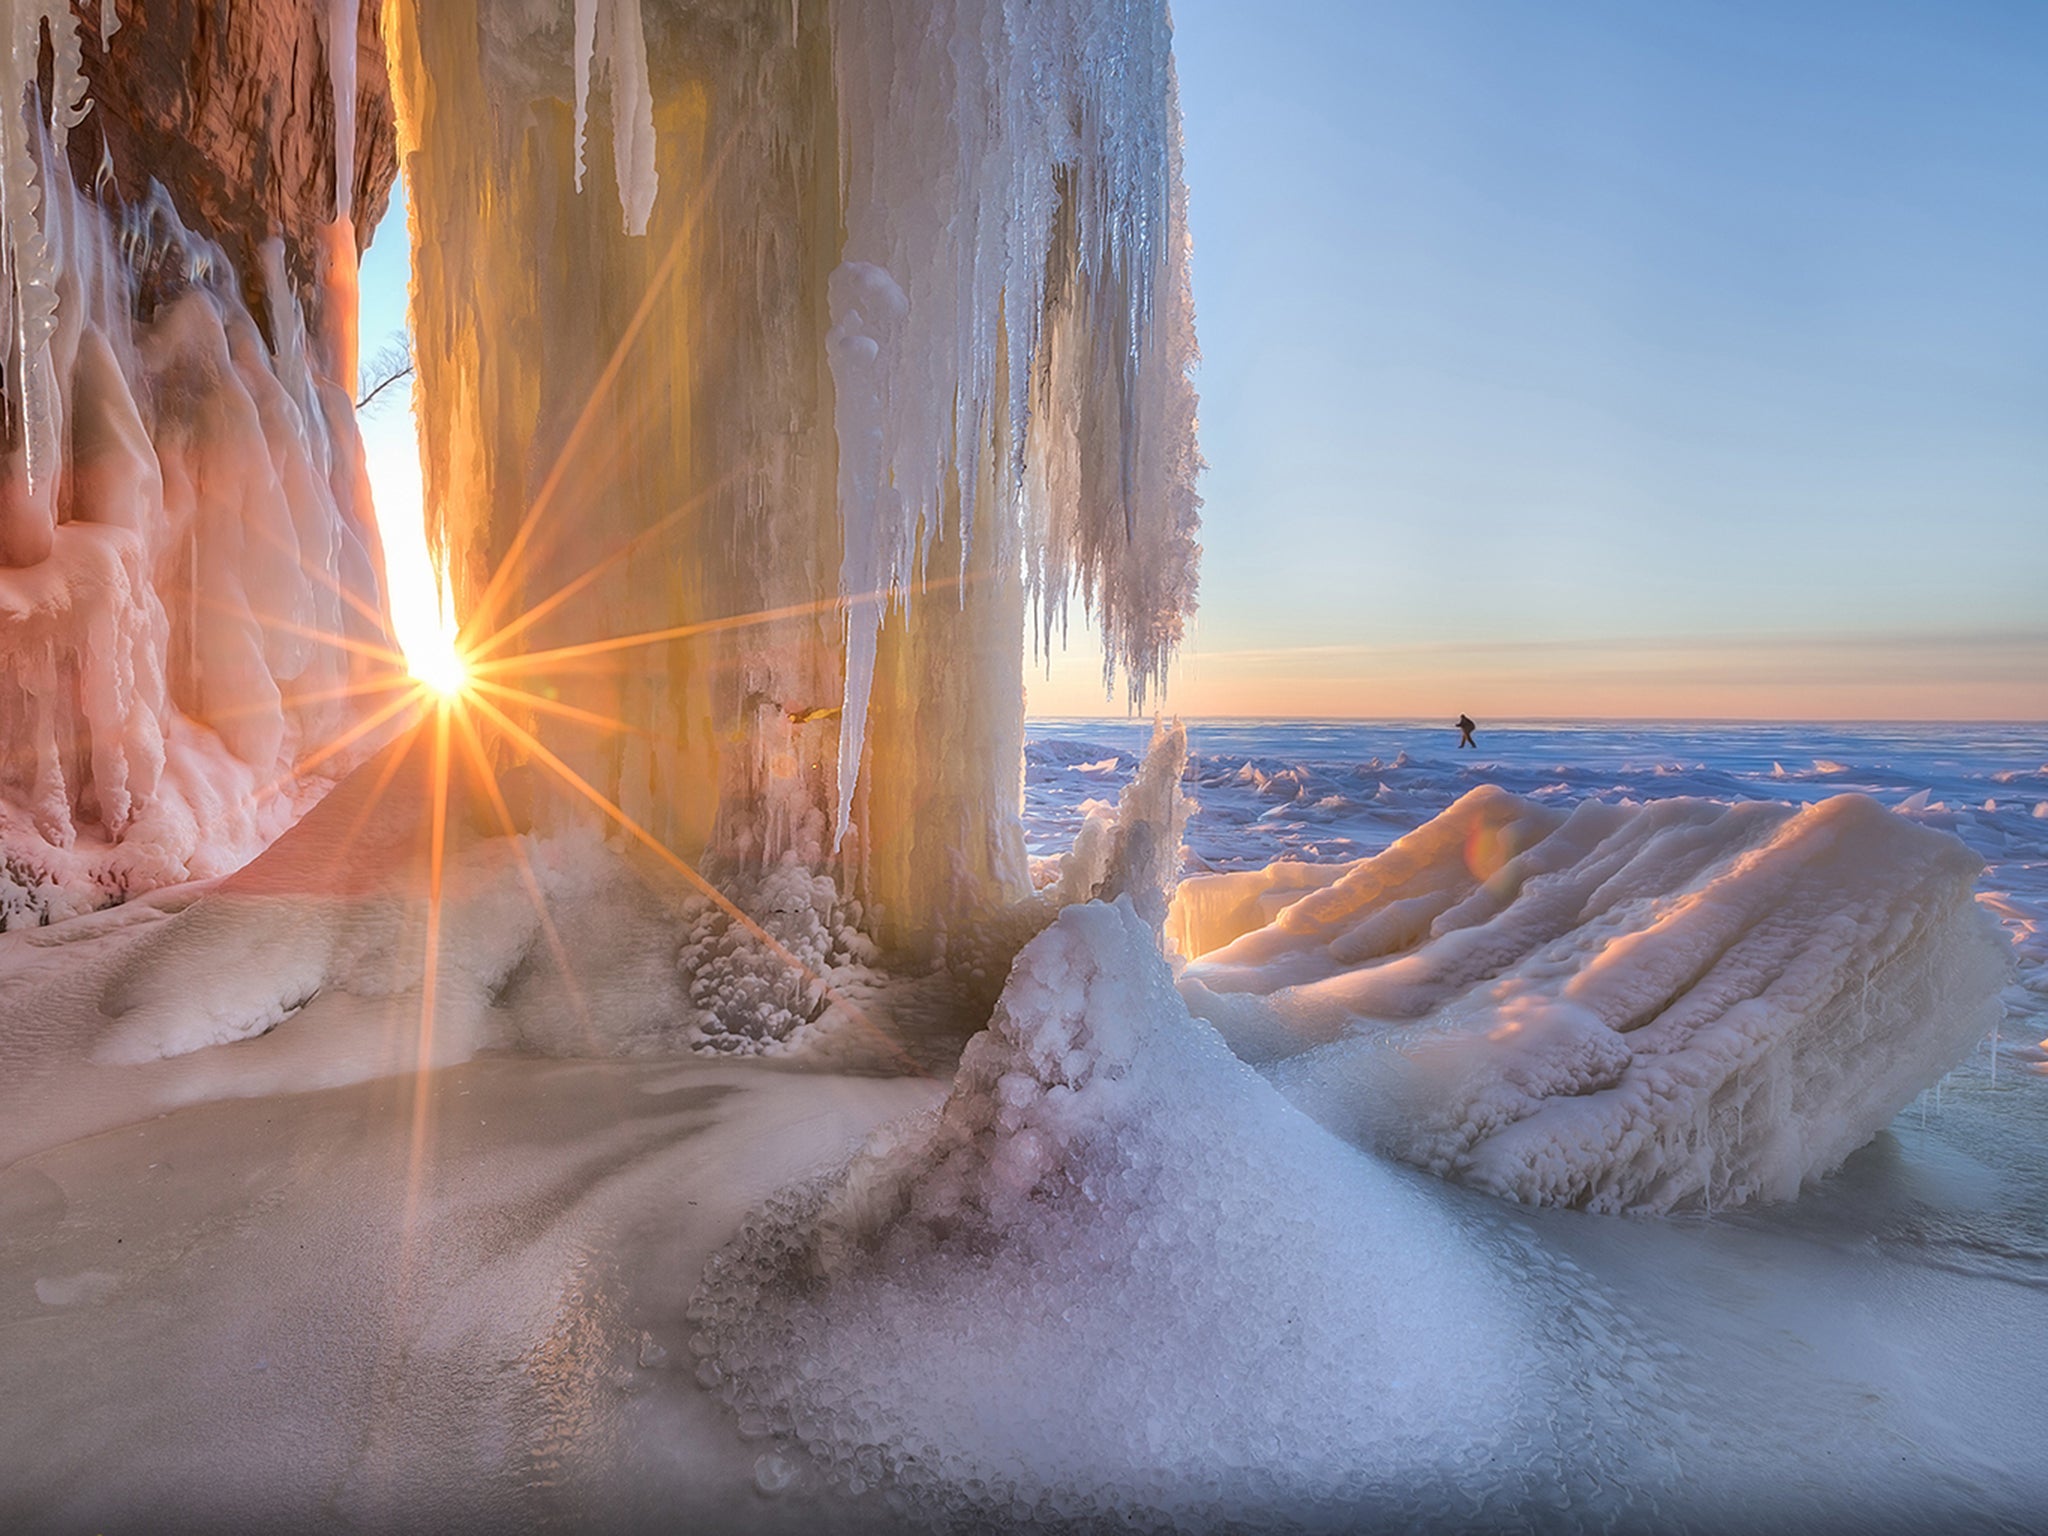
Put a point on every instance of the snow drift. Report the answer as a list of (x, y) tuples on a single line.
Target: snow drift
[(1622, 1007), (1113, 1275)]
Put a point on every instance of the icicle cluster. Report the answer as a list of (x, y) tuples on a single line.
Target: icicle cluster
[(183, 518), (1012, 313), (610, 32), (31, 421)]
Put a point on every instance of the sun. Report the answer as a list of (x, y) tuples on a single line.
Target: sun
[(440, 666), (432, 642)]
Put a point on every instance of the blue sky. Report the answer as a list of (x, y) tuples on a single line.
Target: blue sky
[(1615, 358), (1582, 330)]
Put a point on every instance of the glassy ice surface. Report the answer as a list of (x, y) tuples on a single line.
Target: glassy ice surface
[(1105, 1273)]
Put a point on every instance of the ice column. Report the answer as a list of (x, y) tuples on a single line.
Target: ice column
[(901, 354)]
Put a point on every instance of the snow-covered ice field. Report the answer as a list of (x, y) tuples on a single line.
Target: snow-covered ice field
[(282, 1283)]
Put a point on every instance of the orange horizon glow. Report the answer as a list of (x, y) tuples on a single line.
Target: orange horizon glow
[(1931, 679)]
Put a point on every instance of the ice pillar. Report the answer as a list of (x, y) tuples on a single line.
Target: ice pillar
[(875, 336)]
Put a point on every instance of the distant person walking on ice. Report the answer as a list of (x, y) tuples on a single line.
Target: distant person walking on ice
[(1465, 730)]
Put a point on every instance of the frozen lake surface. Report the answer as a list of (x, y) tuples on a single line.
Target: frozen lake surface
[(1328, 791), (283, 1284)]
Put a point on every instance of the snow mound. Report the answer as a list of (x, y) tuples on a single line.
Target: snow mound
[(337, 904), (1114, 1277), (1629, 1007)]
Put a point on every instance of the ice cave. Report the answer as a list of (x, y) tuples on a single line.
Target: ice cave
[(687, 1055)]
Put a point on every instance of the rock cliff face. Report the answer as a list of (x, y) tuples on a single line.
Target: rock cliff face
[(229, 105)]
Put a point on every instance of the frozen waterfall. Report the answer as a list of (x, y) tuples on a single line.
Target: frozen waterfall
[(877, 338)]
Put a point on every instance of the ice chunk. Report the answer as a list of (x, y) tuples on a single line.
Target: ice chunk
[(1134, 848), (1211, 910), (1633, 1007)]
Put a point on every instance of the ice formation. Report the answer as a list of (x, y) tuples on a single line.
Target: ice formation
[(1622, 1007), (1201, 1307), (1132, 848), (1116, 1279), (878, 334), (184, 524), (1110, 1278), (748, 996)]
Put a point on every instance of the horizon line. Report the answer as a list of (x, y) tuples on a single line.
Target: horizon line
[(1501, 721)]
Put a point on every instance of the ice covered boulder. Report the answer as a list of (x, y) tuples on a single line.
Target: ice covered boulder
[(1623, 1007), (1114, 1277)]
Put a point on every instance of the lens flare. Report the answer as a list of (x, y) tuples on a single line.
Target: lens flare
[(440, 667), (433, 652)]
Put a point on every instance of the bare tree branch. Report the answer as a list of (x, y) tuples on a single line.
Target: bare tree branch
[(390, 363)]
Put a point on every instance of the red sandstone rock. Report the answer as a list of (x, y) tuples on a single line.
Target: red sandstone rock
[(228, 104)]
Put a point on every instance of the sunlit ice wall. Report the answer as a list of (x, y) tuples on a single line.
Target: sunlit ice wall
[(773, 362)]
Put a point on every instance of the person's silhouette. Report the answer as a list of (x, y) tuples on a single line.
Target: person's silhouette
[(1465, 730)]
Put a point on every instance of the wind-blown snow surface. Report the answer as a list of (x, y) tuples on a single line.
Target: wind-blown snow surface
[(1109, 1270)]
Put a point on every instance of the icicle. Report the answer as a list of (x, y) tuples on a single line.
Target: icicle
[(586, 43), (609, 33), (868, 315), (632, 116), (342, 21), (31, 431)]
